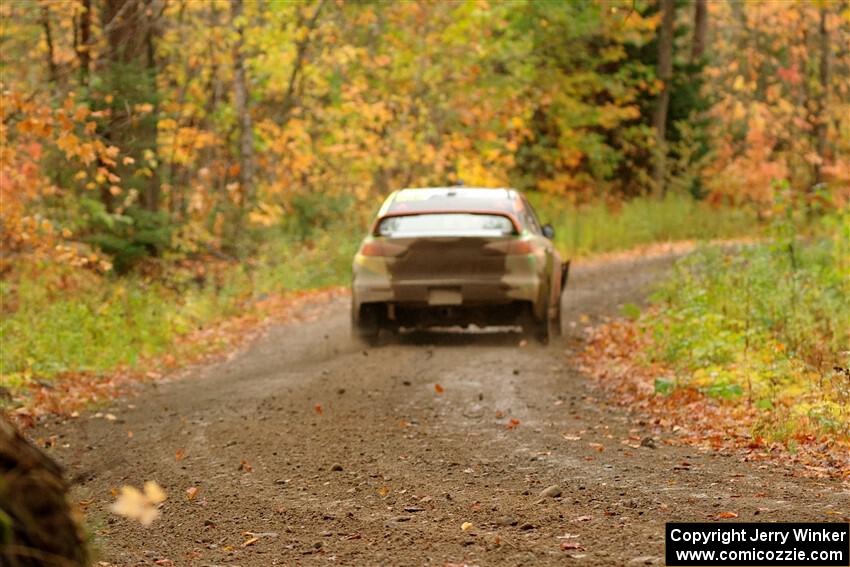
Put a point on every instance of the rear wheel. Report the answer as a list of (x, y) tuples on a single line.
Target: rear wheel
[(548, 329), (543, 330), (365, 327), (559, 330)]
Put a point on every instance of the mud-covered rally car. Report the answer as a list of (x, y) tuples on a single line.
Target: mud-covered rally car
[(440, 257)]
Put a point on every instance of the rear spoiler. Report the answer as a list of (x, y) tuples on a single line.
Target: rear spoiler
[(507, 214)]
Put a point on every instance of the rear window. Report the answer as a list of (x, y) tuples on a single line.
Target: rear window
[(446, 224)]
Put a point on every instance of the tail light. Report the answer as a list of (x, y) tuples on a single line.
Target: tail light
[(521, 247), (373, 248)]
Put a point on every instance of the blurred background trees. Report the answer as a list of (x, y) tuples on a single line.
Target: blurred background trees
[(137, 128)]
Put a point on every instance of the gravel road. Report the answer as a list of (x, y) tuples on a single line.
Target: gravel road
[(314, 451)]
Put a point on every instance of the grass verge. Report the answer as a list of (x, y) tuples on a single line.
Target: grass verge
[(746, 348)]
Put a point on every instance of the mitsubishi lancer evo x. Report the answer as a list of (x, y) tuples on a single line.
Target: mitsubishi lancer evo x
[(456, 256)]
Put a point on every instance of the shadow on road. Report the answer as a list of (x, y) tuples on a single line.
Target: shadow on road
[(455, 337)]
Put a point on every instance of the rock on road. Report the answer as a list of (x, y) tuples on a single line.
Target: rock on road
[(309, 450)]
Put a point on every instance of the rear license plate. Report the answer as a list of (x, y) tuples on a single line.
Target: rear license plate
[(444, 296)]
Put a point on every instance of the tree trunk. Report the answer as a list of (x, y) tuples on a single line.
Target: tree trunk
[(128, 70), (48, 38), (84, 44), (300, 53), (664, 73), (700, 29), (823, 99), (152, 190), (243, 112)]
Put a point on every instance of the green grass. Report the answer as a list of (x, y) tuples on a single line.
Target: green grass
[(101, 324), (116, 322), (589, 229), (765, 325)]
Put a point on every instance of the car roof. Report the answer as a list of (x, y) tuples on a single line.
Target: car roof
[(451, 199)]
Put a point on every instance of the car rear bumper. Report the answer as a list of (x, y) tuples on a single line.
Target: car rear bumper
[(377, 288)]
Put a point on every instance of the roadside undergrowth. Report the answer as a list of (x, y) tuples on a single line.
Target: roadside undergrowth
[(72, 339), (71, 392), (595, 228), (745, 348)]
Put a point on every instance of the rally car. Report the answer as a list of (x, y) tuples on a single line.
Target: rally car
[(457, 256)]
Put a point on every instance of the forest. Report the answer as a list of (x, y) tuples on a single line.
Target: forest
[(179, 178), (173, 170)]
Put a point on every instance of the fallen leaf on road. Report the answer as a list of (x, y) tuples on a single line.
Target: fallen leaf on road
[(438, 388), (244, 465), (318, 408), (726, 515), (566, 545), (466, 526), (191, 492), (179, 454), (513, 424), (260, 534), (250, 541), (140, 505), (598, 446), (383, 491)]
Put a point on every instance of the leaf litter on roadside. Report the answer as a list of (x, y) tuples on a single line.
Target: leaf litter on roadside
[(615, 356)]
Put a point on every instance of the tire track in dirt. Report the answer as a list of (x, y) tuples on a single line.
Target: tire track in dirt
[(390, 469)]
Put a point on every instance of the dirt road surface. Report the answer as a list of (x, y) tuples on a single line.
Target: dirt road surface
[(314, 451)]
